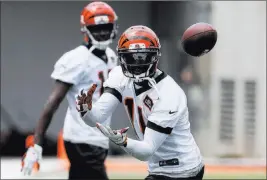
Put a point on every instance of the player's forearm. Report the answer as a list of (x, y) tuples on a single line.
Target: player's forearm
[(45, 120), (41, 129), (139, 149), (93, 116), (53, 102), (101, 110), (143, 150)]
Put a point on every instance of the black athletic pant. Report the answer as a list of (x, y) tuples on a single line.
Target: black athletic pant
[(199, 176), (86, 161)]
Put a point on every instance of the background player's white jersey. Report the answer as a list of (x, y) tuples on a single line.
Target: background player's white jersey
[(164, 109), (82, 67)]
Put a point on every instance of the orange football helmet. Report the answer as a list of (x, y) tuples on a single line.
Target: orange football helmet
[(139, 51), (98, 23)]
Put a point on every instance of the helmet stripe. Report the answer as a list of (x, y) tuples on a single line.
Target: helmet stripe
[(138, 37)]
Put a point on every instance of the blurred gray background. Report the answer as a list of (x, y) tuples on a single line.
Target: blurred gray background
[(35, 34), (225, 88)]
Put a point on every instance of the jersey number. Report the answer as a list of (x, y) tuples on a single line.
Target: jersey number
[(129, 103), (102, 79)]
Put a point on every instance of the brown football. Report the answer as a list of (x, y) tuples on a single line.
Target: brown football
[(199, 39)]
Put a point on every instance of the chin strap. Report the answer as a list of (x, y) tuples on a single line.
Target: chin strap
[(152, 83)]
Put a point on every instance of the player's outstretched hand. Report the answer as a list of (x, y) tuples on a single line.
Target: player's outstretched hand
[(84, 100), (30, 158), (119, 137)]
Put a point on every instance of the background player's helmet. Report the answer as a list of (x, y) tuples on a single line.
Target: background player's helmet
[(138, 52), (98, 23)]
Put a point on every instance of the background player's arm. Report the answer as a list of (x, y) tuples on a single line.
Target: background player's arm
[(52, 104), (67, 72)]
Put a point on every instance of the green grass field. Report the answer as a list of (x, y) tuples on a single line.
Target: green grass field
[(207, 176)]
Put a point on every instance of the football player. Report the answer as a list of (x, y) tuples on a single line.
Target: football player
[(156, 106), (77, 69)]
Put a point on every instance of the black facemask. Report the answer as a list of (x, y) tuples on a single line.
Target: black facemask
[(101, 32), (137, 63)]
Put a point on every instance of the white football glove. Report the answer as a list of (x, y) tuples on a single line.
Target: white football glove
[(119, 137), (31, 157), (84, 100)]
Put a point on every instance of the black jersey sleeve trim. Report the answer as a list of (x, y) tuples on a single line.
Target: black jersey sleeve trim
[(158, 128), (114, 92)]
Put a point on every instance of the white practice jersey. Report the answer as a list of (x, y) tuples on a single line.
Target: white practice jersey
[(164, 109), (82, 68)]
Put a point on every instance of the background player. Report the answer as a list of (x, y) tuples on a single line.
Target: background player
[(156, 105), (89, 63)]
